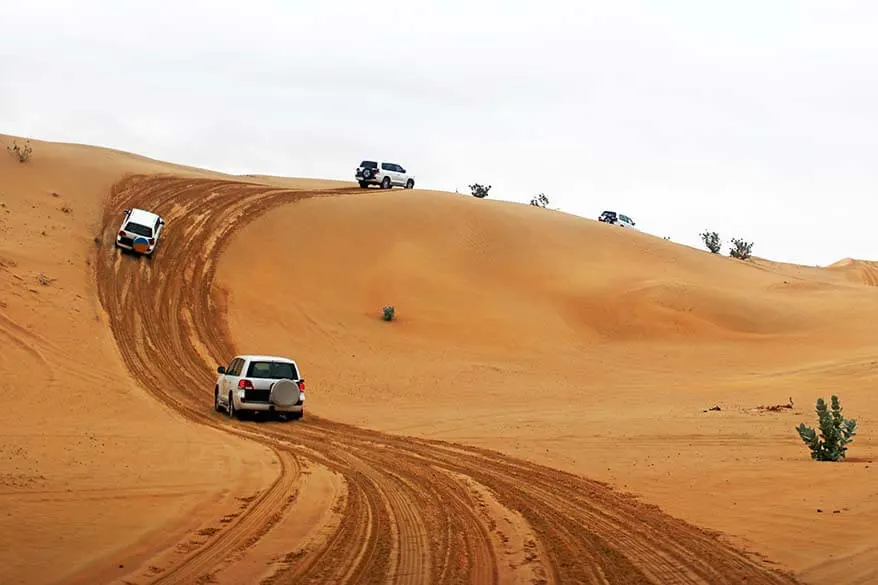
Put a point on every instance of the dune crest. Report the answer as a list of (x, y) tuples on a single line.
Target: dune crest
[(859, 271)]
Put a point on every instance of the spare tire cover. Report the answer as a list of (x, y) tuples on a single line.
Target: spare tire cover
[(284, 393), (141, 244)]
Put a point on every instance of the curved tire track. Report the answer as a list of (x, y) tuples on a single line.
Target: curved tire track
[(405, 519)]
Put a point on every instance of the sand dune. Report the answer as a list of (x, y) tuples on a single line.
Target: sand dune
[(859, 271), (580, 346), (582, 350), (89, 464)]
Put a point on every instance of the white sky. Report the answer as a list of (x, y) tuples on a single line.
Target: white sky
[(756, 119)]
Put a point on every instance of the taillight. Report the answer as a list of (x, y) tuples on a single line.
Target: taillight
[(121, 232), (245, 385), (301, 384), (151, 241)]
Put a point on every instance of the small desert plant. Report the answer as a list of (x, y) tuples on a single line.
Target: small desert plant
[(389, 313), (539, 200), (479, 191), (712, 241), (740, 249), (22, 154), (835, 432)]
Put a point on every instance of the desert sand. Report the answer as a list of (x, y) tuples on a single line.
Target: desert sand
[(538, 411)]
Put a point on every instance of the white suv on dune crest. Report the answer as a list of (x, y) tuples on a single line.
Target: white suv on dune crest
[(385, 174), (260, 383), (619, 219)]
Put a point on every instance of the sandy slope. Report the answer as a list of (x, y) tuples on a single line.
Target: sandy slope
[(538, 334), (89, 464), (584, 347), (406, 510)]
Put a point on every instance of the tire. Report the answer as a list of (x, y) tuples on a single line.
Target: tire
[(364, 185), (231, 408), (284, 393), (409, 184), (295, 415), (216, 402), (385, 184)]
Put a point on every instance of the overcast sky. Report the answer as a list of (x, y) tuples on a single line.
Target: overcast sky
[(755, 119)]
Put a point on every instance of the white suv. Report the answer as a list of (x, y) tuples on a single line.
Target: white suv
[(260, 383), (619, 219), (385, 174), (139, 231)]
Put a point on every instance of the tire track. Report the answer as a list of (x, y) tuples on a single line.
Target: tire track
[(267, 508), (406, 518)]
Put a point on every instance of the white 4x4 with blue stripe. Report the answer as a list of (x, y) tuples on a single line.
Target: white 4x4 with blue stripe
[(260, 383), (140, 231)]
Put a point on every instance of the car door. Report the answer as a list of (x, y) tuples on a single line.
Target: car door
[(236, 374), (400, 175), (225, 385), (393, 171)]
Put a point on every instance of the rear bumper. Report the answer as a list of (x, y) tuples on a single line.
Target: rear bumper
[(264, 405), (267, 406)]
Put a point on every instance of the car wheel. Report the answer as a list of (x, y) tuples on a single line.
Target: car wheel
[(385, 184), (231, 408), (364, 185), (295, 415), (409, 184), (216, 403)]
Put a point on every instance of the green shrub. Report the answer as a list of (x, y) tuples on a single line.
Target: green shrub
[(22, 154), (539, 200), (712, 241), (741, 249), (479, 191), (836, 432), (389, 313)]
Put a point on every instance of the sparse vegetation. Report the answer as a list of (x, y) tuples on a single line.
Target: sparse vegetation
[(389, 313), (712, 241), (21, 153), (740, 249), (836, 432), (479, 191), (775, 407), (539, 200)]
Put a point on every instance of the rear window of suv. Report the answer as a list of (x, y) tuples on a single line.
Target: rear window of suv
[(272, 370), (369, 164), (140, 230)]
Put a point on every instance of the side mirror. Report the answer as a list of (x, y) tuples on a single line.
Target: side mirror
[(221, 370), (126, 211)]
